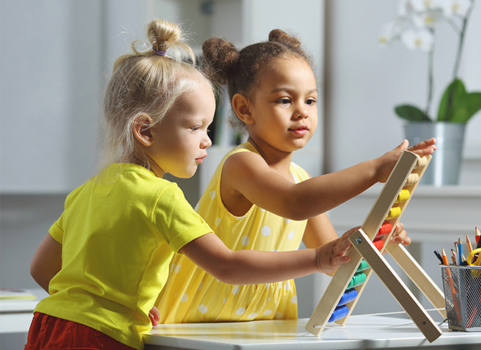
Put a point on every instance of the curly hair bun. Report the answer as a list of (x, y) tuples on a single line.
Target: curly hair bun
[(282, 37), (220, 56), (163, 34)]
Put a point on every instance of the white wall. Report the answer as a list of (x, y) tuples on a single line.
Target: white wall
[(363, 81), (50, 87)]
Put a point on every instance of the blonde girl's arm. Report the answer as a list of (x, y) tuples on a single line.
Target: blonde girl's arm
[(248, 175), (46, 261), (253, 267)]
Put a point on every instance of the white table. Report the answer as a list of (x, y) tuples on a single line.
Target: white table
[(361, 332), (16, 314)]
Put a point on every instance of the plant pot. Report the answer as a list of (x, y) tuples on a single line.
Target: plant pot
[(445, 166)]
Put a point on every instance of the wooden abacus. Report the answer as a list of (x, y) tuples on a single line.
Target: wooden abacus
[(368, 244)]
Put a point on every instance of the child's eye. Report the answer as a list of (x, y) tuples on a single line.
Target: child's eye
[(284, 101), (311, 101), (195, 128)]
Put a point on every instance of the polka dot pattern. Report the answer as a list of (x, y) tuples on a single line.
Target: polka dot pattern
[(266, 231), (203, 309), (290, 236)]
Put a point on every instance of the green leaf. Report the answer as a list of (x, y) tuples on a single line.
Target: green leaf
[(411, 113), (457, 105), (470, 106), (451, 102)]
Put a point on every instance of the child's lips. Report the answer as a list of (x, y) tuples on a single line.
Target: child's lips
[(201, 159), (300, 131)]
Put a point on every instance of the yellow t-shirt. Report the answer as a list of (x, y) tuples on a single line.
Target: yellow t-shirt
[(191, 295), (118, 235)]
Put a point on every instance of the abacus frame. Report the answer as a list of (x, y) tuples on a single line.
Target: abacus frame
[(362, 248)]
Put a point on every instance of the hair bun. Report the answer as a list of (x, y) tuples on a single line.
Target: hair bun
[(220, 56), (163, 35), (282, 37)]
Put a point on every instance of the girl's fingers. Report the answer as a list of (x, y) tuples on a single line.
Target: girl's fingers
[(154, 316), (425, 147)]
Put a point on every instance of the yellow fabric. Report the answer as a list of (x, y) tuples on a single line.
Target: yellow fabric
[(191, 295), (118, 237)]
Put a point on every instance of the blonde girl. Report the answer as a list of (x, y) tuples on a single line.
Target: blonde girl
[(106, 259), (257, 198)]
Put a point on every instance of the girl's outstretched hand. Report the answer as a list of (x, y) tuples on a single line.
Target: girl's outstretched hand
[(388, 160), (400, 235), (332, 254), (424, 148)]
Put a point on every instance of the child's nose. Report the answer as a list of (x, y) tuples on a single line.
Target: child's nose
[(301, 114), (206, 142)]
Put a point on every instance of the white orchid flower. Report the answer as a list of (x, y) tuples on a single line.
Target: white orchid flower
[(453, 8), (389, 32), (418, 39), (428, 18), (424, 5)]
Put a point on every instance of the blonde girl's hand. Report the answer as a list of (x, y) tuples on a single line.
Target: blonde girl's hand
[(388, 160), (400, 235), (331, 255), (154, 316)]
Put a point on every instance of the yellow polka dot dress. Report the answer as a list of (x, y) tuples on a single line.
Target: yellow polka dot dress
[(191, 295)]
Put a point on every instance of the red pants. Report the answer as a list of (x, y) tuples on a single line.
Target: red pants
[(52, 333)]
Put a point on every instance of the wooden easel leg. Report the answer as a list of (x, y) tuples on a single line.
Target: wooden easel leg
[(396, 286), (420, 278)]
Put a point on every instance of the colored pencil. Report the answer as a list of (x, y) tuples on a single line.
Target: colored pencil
[(460, 251), (455, 260), (468, 244), (444, 258), (439, 256)]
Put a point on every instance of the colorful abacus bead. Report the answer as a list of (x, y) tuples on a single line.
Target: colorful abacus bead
[(338, 313), (412, 179), (341, 310), (378, 243), (385, 229), (403, 196), (393, 213), (356, 280), (422, 162), (348, 296), (363, 266)]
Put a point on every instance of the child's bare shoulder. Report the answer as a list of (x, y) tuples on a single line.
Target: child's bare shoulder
[(242, 161)]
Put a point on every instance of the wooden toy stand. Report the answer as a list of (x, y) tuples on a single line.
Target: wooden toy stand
[(406, 175)]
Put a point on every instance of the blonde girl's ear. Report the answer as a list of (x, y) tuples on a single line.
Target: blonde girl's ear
[(240, 104), (141, 129)]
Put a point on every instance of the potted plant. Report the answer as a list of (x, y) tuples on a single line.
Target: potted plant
[(416, 26)]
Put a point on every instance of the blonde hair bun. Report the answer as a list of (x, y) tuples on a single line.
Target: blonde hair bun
[(163, 35)]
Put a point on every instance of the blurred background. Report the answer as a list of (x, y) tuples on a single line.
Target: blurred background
[(56, 57)]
